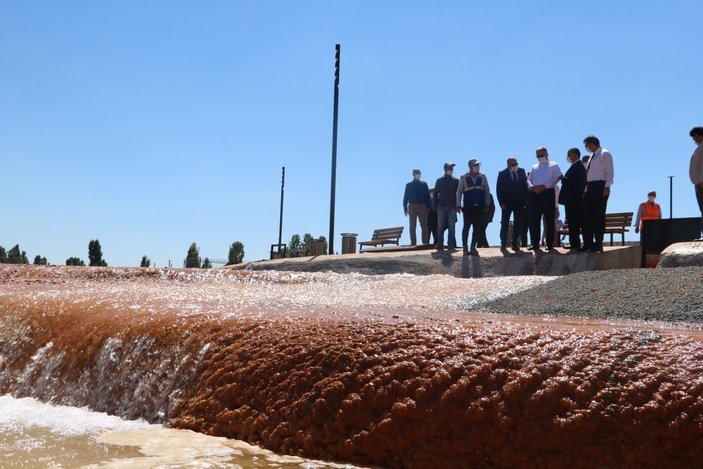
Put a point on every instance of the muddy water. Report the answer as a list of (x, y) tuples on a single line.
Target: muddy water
[(386, 371)]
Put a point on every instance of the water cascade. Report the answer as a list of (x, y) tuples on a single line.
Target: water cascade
[(345, 368)]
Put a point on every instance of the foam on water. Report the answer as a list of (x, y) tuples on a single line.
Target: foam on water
[(38, 435)]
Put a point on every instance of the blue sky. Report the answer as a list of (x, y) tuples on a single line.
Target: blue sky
[(153, 124)]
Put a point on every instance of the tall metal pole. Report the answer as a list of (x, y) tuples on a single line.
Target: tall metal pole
[(671, 197), (330, 241), (280, 218)]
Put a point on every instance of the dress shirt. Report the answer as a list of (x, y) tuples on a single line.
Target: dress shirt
[(696, 168), (600, 167), (544, 174)]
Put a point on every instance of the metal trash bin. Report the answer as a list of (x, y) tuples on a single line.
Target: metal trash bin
[(316, 247), (349, 243)]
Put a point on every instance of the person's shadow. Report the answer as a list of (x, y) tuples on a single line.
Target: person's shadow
[(471, 267)]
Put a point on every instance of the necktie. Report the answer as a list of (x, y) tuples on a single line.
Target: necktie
[(514, 177)]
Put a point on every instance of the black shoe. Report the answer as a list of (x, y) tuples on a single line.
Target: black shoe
[(474, 251), (583, 249), (466, 251), (533, 248), (516, 248), (596, 249)]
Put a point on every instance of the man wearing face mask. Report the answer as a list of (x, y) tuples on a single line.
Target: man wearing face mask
[(416, 203), (541, 182), (599, 178), (648, 210), (473, 187), (573, 184), (443, 202), (512, 192)]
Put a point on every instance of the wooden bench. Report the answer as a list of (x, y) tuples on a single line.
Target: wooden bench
[(615, 223), (382, 237)]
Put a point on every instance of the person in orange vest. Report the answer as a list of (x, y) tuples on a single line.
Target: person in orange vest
[(648, 210)]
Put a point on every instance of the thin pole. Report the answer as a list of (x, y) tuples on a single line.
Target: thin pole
[(330, 241), (280, 218), (671, 197)]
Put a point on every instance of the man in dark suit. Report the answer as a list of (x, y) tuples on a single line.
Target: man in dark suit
[(573, 183), (511, 189)]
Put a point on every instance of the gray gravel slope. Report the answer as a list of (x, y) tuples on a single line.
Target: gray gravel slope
[(672, 295)]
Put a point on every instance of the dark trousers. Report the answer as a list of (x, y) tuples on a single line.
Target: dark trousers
[(542, 205), (594, 206), (574, 215), (516, 211), (699, 198), (472, 218)]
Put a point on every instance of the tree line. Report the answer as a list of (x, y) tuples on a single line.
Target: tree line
[(95, 256), (194, 261)]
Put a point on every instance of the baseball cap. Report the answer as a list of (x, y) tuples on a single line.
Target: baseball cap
[(449, 164), (473, 161)]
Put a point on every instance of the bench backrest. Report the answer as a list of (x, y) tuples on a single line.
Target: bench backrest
[(617, 220), (388, 233)]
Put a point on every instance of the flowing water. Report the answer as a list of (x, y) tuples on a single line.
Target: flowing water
[(38, 435), (389, 371)]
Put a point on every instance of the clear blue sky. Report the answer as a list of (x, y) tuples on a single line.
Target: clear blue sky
[(152, 124)]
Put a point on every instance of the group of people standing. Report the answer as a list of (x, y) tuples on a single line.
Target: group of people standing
[(529, 198)]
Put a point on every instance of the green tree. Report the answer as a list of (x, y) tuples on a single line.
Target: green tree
[(75, 261), (16, 256), (207, 264), (324, 244), (305, 246), (294, 246), (236, 253), (95, 254), (146, 262), (193, 257), (39, 260), (3, 256)]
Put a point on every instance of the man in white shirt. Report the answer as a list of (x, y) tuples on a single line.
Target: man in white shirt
[(599, 178), (542, 200), (696, 168)]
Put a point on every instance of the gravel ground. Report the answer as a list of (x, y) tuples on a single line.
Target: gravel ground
[(671, 295)]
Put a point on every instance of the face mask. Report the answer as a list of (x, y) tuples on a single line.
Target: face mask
[(474, 169), (541, 159), (650, 198), (449, 172), (416, 176), (513, 169)]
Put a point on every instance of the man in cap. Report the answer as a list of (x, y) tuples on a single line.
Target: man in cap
[(511, 189), (541, 182), (696, 168), (473, 188), (444, 202), (649, 210), (416, 203)]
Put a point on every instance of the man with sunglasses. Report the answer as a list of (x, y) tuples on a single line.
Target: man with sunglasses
[(511, 190), (599, 178)]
